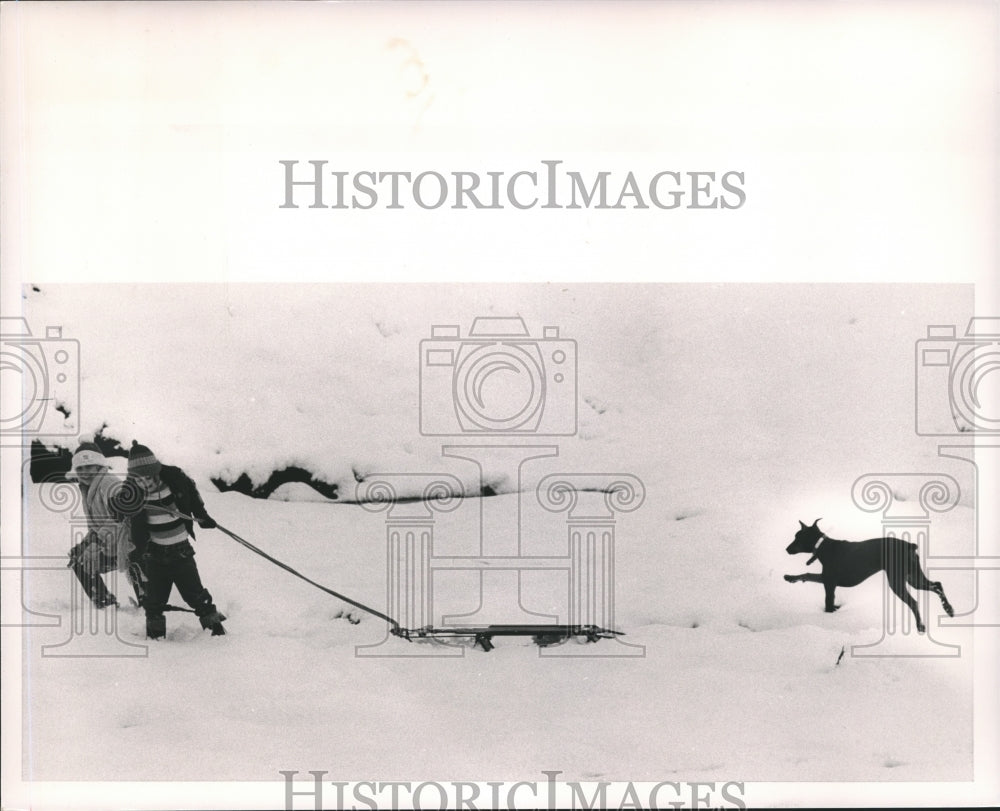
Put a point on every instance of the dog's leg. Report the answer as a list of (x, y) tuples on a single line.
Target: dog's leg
[(916, 578), (808, 577), (830, 589), (898, 586), (938, 589)]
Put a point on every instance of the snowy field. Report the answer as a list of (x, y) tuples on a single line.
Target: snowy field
[(741, 409)]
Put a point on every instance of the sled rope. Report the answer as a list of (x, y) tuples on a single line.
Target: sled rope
[(290, 570)]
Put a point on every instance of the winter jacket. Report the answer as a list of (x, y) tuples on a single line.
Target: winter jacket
[(186, 497), (104, 522)]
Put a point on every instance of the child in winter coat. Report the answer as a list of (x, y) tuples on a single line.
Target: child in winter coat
[(162, 526), (106, 546)]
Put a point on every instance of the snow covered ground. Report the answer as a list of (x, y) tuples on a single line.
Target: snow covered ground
[(741, 408)]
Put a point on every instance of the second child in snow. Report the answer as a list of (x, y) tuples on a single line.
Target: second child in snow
[(164, 529)]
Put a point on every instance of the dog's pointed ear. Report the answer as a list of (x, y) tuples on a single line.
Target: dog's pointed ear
[(802, 524), (817, 521)]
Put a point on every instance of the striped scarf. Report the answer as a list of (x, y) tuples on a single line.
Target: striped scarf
[(164, 529)]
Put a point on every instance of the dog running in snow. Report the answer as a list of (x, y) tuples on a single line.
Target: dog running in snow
[(847, 563)]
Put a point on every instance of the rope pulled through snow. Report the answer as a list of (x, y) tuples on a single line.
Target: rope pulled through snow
[(290, 570)]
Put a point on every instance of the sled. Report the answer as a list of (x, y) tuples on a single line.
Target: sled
[(541, 635), (482, 635)]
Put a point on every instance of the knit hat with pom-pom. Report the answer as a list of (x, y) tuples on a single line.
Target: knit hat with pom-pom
[(142, 461)]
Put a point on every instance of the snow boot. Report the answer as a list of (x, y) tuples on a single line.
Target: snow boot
[(214, 621), (156, 627)]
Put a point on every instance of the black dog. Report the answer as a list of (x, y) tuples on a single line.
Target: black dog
[(847, 564)]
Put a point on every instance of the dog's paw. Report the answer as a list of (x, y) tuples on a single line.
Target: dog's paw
[(921, 628), (830, 609), (791, 578)]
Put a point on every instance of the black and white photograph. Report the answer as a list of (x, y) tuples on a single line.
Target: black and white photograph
[(499, 405)]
